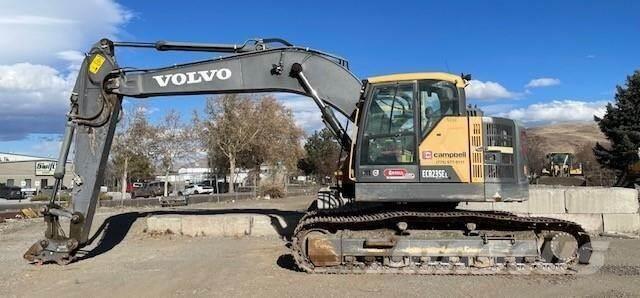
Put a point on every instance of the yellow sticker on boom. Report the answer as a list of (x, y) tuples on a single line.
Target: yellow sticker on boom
[(96, 63)]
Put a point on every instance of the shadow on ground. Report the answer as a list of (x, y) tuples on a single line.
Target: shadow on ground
[(115, 228)]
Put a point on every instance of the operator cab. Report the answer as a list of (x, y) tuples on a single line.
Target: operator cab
[(402, 109), (415, 130)]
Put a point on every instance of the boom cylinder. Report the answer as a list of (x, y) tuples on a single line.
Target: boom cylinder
[(327, 114)]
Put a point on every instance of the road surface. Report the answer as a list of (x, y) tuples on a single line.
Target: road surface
[(129, 262)]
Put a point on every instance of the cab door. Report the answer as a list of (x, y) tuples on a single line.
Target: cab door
[(387, 144), (444, 134)]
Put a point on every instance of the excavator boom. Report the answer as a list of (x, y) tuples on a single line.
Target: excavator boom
[(101, 84)]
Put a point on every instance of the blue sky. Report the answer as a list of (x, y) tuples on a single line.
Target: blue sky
[(540, 62)]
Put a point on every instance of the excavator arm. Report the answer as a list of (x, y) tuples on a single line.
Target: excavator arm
[(261, 65)]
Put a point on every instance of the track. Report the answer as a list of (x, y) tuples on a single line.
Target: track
[(333, 221)]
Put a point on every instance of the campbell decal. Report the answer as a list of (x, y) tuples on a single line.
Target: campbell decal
[(397, 173), (450, 155), (443, 158)]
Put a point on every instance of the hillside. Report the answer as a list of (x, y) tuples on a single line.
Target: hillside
[(566, 137)]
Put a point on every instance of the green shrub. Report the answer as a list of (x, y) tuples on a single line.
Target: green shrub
[(65, 197), (272, 190), (104, 197), (40, 197), (43, 197)]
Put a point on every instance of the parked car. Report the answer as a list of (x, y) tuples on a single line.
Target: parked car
[(151, 189), (157, 188), (195, 189), (47, 190), (11, 192), (28, 192), (134, 185), (141, 191)]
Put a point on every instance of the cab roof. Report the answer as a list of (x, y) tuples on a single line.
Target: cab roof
[(460, 83)]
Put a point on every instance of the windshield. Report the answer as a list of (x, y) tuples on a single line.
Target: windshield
[(437, 99)]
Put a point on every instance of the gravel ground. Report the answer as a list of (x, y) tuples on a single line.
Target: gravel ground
[(128, 262)]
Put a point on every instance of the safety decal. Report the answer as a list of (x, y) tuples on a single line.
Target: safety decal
[(96, 63), (398, 173)]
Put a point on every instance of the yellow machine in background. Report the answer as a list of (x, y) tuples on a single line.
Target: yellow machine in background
[(562, 169)]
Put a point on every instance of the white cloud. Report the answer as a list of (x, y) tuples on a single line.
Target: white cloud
[(542, 82), (27, 77), (306, 113), (487, 90), (35, 30), (40, 53), (557, 111), (47, 147), (33, 99), (33, 20), (493, 109), (74, 58)]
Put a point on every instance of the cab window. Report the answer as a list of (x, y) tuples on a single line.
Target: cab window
[(389, 136), (437, 99)]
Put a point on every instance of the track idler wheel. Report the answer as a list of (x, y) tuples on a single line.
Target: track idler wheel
[(559, 247)]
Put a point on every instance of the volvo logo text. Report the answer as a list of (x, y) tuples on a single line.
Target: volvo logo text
[(193, 77)]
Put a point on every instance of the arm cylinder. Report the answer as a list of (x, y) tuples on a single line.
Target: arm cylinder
[(64, 150)]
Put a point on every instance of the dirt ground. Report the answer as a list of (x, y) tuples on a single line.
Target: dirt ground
[(125, 261)]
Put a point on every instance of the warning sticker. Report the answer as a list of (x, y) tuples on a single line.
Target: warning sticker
[(96, 63)]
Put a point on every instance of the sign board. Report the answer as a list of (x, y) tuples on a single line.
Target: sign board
[(45, 168)]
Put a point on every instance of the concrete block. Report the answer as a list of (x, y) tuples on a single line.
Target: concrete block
[(263, 225), (476, 206), (236, 225), (118, 195), (601, 200), (624, 223), (591, 223), (162, 224), (513, 207), (228, 225), (546, 200)]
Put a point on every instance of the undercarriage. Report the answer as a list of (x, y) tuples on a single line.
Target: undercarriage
[(405, 239)]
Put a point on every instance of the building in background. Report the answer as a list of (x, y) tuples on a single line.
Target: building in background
[(31, 173)]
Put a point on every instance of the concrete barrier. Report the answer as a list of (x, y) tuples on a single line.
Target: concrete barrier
[(625, 223), (221, 225), (164, 224), (601, 200), (596, 209), (546, 200)]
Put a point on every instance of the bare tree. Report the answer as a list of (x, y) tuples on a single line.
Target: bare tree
[(132, 142), (230, 128), (536, 157), (244, 131), (174, 141), (278, 143)]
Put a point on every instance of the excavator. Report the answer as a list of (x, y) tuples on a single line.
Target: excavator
[(415, 150), (562, 169)]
